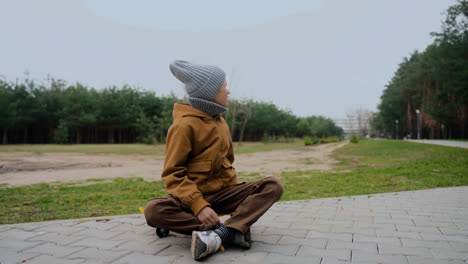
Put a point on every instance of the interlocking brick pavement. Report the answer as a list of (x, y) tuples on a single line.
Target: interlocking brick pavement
[(426, 226)]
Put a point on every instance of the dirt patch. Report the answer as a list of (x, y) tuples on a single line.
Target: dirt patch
[(272, 163), (26, 168)]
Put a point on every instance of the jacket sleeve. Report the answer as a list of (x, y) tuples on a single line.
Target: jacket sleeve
[(178, 147)]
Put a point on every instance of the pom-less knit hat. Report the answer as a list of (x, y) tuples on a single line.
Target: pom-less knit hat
[(201, 81)]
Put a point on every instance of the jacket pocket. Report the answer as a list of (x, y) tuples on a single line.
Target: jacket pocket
[(199, 166), (228, 173), (199, 172), (226, 163)]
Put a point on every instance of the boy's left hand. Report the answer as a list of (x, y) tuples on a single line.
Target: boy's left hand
[(208, 216)]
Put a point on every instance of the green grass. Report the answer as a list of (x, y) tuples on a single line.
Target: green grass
[(245, 147), (378, 166), (41, 202), (371, 166), (85, 148)]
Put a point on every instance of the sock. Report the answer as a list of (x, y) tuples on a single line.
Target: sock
[(224, 233)]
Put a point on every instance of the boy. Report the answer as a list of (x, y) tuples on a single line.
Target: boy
[(198, 171)]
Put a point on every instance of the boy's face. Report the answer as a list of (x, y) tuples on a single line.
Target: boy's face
[(222, 95)]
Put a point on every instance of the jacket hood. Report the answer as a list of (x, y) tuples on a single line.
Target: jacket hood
[(185, 110)]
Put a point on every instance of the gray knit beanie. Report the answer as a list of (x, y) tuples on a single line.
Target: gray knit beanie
[(201, 81)]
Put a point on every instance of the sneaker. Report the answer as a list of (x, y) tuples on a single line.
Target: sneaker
[(204, 243), (242, 240)]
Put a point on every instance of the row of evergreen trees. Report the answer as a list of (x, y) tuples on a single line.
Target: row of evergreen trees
[(435, 82), (54, 112)]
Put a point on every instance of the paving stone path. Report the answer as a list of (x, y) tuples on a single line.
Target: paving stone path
[(427, 226)]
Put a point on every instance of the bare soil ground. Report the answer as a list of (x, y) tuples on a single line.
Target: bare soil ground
[(19, 168)]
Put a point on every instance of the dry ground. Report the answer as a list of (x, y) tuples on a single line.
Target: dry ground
[(28, 168)]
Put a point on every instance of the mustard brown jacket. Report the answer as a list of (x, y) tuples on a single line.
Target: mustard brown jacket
[(199, 156)]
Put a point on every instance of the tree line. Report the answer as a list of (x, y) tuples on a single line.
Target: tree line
[(430, 86), (54, 112)]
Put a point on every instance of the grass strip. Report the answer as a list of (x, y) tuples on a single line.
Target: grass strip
[(379, 166), (40, 202), (245, 147)]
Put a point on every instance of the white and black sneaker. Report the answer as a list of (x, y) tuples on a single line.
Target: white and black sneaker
[(204, 243)]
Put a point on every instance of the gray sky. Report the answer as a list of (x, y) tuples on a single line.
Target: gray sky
[(312, 57)]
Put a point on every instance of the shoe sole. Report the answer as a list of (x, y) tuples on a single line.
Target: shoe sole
[(198, 247)]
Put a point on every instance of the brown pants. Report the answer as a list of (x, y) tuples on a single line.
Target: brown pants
[(248, 201)]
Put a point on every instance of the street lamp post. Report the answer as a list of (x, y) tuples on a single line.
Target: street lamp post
[(417, 120), (396, 121)]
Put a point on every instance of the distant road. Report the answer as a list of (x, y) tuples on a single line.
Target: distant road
[(450, 143)]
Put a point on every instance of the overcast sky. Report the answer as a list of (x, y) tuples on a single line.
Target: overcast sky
[(312, 57)]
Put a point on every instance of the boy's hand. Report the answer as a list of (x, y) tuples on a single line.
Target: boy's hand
[(208, 216)]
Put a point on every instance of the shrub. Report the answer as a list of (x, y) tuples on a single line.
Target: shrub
[(267, 139), (331, 140), (311, 141), (149, 140), (354, 139), (61, 133), (145, 130), (283, 139)]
